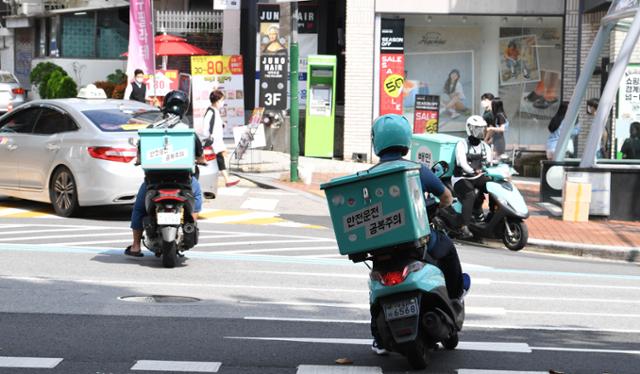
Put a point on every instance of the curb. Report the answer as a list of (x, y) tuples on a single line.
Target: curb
[(270, 183), (626, 254)]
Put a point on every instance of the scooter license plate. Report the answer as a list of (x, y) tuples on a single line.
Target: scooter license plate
[(166, 218), (401, 309)]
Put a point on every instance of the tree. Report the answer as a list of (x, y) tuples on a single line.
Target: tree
[(52, 81)]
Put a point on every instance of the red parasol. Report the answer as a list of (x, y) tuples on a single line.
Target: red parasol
[(171, 45)]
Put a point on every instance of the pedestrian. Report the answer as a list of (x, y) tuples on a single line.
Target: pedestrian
[(213, 134), (136, 89), (631, 147), (497, 128), (555, 129), (453, 94), (485, 104)]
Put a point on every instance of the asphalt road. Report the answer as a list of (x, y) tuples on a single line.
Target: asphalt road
[(270, 294)]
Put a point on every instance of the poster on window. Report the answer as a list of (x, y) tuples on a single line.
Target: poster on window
[(628, 106), (449, 76), (519, 60), (426, 113), (222, 73)]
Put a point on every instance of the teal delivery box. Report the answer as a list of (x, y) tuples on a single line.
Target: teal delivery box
[(431, 148), (377, 208), (167, 149)]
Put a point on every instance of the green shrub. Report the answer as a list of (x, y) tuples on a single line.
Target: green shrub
[(52, 81), (60, 85), (118, 77)]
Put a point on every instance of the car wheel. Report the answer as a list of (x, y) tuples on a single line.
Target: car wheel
[(63, 193)]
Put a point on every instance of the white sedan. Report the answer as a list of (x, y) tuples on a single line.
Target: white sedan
[(78, 152)]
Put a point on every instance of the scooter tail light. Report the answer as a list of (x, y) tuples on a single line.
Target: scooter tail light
[(393, 278), (164, 195)]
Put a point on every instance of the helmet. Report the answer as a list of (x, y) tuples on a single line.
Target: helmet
[(390, 130), (475, 126), (175, 102)]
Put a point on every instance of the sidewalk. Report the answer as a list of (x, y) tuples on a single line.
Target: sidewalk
[(619, 240)]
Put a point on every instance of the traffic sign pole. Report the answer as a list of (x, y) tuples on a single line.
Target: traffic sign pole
[(295, 114)]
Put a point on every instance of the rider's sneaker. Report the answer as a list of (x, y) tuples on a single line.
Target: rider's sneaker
[(465, 233), (478, 217), (378, 349), (466, 283)]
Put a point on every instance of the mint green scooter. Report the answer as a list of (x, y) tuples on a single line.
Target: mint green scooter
[(379, 215)]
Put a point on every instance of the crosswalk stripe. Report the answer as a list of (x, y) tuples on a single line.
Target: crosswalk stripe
[(32, 214), (261, 221), (68, 236), (478, 371), (34, 231), (327, 369), (29, 362), (259, 204), (208, 214), (180, 366), (8, 211)]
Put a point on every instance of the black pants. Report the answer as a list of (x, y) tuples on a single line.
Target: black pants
[(465, 190), (220, 161), (448, 262)]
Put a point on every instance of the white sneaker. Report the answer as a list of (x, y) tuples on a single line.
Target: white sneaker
[(377, 349)]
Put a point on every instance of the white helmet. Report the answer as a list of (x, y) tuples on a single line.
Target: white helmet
[(476, 126)]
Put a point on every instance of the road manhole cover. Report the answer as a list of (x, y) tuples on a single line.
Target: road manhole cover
[(159, 299)]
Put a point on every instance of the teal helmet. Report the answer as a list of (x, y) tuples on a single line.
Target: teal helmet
[(390, 131)]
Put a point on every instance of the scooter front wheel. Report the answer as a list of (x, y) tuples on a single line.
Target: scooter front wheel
[(515, 234)]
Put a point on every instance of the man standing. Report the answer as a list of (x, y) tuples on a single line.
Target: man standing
[(136, 90)]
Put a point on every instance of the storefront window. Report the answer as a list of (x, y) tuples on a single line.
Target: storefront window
[(113, 33), (79, 35), (459, 58)]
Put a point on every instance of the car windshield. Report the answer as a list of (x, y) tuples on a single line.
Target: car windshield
[(117, 120), (7, 78)]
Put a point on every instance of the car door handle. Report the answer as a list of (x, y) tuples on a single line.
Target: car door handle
[(53, 147), (12, 147)]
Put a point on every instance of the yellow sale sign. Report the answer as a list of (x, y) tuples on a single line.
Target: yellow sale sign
[(216, 65)]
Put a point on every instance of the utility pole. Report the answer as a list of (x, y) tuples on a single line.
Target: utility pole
[(295, 113)]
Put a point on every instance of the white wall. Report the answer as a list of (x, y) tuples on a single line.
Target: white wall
[(7, 62), (85, 71), (538, 7)]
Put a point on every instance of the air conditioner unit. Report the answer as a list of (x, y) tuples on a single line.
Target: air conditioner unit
[(32, 9)]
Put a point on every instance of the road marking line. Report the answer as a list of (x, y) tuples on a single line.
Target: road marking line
[(586, 350), (67, 236), (324, 256), (478, 371), (261, 221), (51, 230), (494, 347), (257, 242), (244, 216), (324, 275), (274, 193), (213, 213), (9, 211), (472, 324), (331, 369), (469, 310), (255, 203), (292, 319), (30, 214), (29, 362), (237, 191), (585, 314), (467, 346), (561, 299), (288, 249), (183, 366), (45, 280), (564, 285)]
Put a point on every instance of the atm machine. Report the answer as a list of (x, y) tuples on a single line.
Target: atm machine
[(321, 106)]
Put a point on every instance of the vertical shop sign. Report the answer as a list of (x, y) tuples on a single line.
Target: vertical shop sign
[(308, 45), (425, 118), (273, 57), (391, 65)]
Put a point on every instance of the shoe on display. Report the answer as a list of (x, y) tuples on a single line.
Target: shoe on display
[(541, 104), (533, 96)]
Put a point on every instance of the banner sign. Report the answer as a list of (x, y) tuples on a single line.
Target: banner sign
[(307, 19), (163, 82), (391, 83), (141, 54), (222, 73), (392, 36), (628, 104), (426, 114)]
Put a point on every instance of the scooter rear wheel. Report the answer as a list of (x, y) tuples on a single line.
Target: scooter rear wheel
[(169, 254), (518, 237), (451, 343)]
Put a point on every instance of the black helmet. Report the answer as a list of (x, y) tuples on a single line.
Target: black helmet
[(175, 102)]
